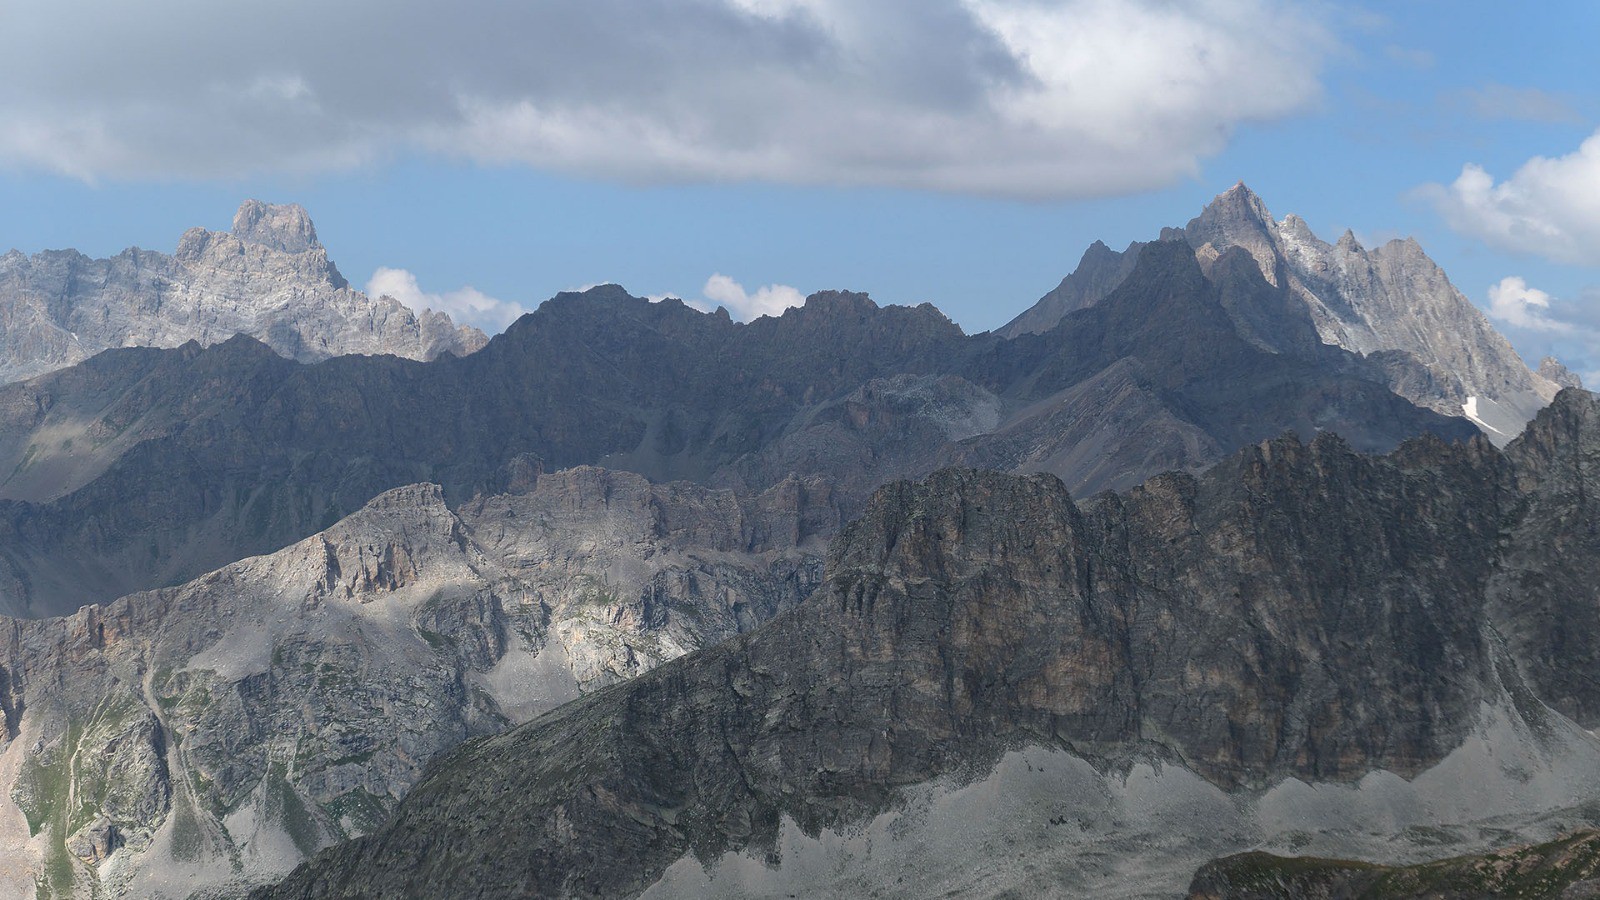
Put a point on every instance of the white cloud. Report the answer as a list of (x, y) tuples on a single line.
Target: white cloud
[(771, 300), (1548, 207), (1025, 98), (467, 305), (1513, 302)]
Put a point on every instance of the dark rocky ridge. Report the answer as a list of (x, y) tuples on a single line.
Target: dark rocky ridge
[(1300, 610), (144, 468), (1566, 869), (1099, 273)]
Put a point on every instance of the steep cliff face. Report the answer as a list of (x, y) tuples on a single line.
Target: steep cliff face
[(269, 278), (1546, 592), (1391, 304), (1298, 616), (222, 730)]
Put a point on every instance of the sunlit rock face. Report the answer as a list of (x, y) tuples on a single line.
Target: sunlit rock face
[(214, 734), (269, 278)]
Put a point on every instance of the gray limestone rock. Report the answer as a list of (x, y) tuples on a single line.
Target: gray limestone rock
[(215, 733), (1553, 370)]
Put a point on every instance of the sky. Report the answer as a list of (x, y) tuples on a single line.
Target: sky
[(482, 156)]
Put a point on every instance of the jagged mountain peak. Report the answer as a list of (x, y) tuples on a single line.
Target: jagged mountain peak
[(1557, 372), (846, 300), (286, 227), (268, 277), (1239, 202), (1392, 304)]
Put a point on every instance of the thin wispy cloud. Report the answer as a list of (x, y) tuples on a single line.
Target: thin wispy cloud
[(1549, 207), (1022, 98), (1525, 104), (467, 305)]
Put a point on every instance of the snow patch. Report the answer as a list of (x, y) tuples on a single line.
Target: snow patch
[(1471, 411)]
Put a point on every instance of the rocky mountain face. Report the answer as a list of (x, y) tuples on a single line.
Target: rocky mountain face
[(999, 691), (268, 278), (210, 735), (1553, 371), (143, 468), (1391, 304)]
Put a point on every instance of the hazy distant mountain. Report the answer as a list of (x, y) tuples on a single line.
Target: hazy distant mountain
[(1000, 692), (1391, 304), (268, 278), (142, 468)]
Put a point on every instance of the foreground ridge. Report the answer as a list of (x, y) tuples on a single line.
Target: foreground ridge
[(1197, 656)]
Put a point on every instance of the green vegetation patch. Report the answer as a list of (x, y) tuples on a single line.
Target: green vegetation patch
[(285, 807), (362, 809)]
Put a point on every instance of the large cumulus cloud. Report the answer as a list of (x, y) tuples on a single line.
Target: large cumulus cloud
[(999, 97), (1549, 207)]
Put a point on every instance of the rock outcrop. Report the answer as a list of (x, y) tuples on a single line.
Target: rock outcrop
[(215, 733), (1552, 370), (268, 278), (1298, 616)]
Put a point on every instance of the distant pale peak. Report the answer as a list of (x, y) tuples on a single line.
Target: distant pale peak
[(281, 226)]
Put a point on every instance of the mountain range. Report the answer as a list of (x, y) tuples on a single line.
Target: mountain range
[(146, 467), (1229, 543)]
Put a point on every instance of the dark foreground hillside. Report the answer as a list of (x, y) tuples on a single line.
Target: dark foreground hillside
[(1300, 611)]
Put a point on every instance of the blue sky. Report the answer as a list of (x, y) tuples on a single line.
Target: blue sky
[(961, 152)]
